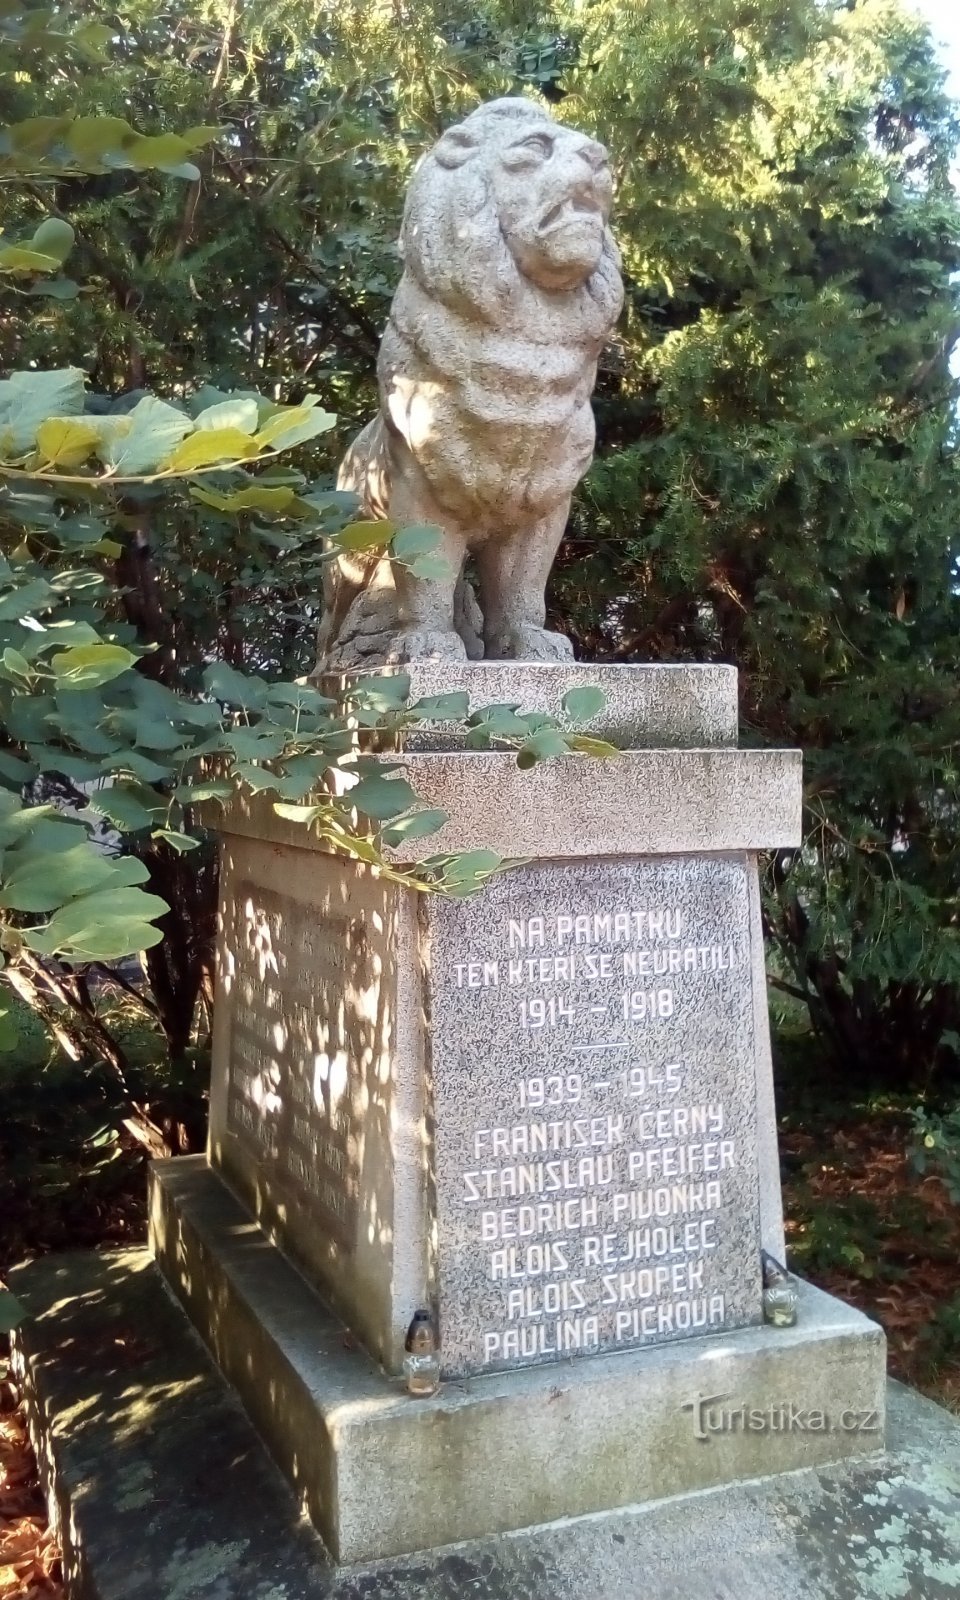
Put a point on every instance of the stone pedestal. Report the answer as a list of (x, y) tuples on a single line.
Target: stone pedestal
[(545, 1113)]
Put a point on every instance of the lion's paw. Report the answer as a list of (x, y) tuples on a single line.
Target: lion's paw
[(526, 642), (426, 644)]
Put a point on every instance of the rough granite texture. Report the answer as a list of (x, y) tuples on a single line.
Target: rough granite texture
[(646, 707), (317, 1090), (347, 1133), (368, 1041), (380, 1473), (164, 1492), (641, 802), (593, 1046), (510, 287)]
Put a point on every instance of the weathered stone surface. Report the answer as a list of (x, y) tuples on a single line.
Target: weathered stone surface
[(380, 1473), (642, 802), (647, 707), (162, 1489), (593, 1053), (317, 1094), (371, 1044), (511, 284), (350, 1129), (321, 1111)]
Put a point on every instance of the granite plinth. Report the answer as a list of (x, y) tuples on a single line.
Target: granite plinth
[(547, 1112), (641, 802), (380, 1473), (646, 707)]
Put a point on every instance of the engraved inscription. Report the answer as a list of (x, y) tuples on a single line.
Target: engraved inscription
[(594, 1103)]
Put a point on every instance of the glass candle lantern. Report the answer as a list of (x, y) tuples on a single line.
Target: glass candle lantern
[(779, 1294), (421, 1364)]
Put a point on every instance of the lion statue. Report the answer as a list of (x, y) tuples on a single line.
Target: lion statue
[(511, 285)]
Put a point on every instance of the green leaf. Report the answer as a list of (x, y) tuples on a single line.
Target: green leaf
[(463, 874), (543, 746), (240, 413), (255, 744), (181, 842), (259, 779), (235, 688), (382, 798), (12, 1312), (443, 707), (101, 927), (28, 398), (16, 664), (299, 697), (54, 289), (293, 425), (40, 831), (416, 540), (207, 447), (87, 666), (432, 568), (36, 595), (96, 143), (125, 807), (54, 237), (418, 825), (388, 692), (89, 139), (17, 773), (204, 789), (587, 701), (300, 774), (299, 814), (501, 722), (132, 761), (45, 884), (154, 428), (363, 536)]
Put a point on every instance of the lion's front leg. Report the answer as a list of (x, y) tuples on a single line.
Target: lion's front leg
[(514, 569), (426, 606)]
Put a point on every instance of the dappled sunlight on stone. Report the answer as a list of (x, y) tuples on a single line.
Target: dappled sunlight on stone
[(304, 1090)]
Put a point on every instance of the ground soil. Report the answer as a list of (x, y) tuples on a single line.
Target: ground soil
[(883, 1238), (29, 1557)]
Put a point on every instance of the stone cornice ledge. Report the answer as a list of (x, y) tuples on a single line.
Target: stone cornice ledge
[(642, 802)]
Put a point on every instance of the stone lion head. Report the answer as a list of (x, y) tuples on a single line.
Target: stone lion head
[(511, 198)]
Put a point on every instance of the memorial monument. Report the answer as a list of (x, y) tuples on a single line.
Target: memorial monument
[(541, 1118)]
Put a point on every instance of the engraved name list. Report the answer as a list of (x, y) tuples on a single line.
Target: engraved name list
[(594, 1101)]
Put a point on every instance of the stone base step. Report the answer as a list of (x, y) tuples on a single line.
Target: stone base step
[(380, 1474), (163, 1490)]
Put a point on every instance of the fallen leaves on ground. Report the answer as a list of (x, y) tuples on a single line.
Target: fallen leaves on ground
[(912, 1254), (29, 1554)]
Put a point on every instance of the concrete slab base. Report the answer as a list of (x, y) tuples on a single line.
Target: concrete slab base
[(380, 1474), (163, 1490)]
